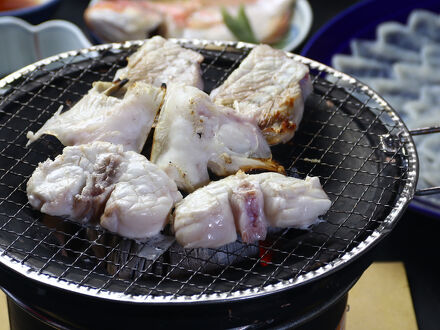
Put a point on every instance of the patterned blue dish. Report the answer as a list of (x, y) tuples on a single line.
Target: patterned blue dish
[(360, 22)]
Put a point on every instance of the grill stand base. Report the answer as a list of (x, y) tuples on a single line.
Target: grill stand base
[(303, 308), (22, 318)]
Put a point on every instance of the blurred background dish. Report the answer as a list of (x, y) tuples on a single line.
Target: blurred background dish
[(33, 11), (300, 25), (282, 23), (28, 43), (394, 47)]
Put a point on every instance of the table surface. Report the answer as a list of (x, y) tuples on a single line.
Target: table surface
[(413, 241)]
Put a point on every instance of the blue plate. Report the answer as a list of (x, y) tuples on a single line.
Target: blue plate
[(360, 22)]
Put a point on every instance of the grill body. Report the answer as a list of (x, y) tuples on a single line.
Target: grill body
[(349, 137), (317, 305)]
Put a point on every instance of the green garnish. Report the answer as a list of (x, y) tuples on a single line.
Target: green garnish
[(239, 26)]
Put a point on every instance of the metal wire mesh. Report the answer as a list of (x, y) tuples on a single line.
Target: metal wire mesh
[(339, 140)]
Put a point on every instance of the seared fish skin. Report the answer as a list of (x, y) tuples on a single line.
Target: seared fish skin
[(109, 112), (269, 88), (159, 61), (194, 134), (128, 194), (211, 216)]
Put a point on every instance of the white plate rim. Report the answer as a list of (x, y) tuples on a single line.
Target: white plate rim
[(302, 14)]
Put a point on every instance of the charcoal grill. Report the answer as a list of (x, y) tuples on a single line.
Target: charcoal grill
[(349, 137)]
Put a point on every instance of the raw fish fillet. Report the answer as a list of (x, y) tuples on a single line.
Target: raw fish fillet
[(129, 195), (400, 36), (424, 112), (431, 56), (268, 88), (417, 74), (396, 92), (109, 112), (211, 216), (430, 95), (159, 61), (426, 24), (382, 52), (360, 67), (194, 134)]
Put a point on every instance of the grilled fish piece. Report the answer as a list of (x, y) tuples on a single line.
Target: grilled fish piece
[(160, 61), (130, 195), (211, 216), (109, 112), (247, 204), (141, 200), (291, 202), (269, 88), (194, 134)]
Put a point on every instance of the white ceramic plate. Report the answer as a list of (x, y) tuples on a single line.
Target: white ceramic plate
[(299, 27)]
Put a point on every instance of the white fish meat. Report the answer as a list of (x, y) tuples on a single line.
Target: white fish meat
[(268, 88), (431, 55), (141, 200), (361, 67), (382, 52), (400, 36), (291, 202), (121, 20), (99, 181), (425, 24), (159, 61), (417, 74), (109, 112), (194, 134), (205, 219), (248, 204)]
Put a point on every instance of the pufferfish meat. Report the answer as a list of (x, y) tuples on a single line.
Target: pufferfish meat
[(109, 112), (211, 216), (269, 88), (159, 61), (194, 134), (128, 194)]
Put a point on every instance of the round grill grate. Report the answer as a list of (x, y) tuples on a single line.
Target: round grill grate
[(349, 137)]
